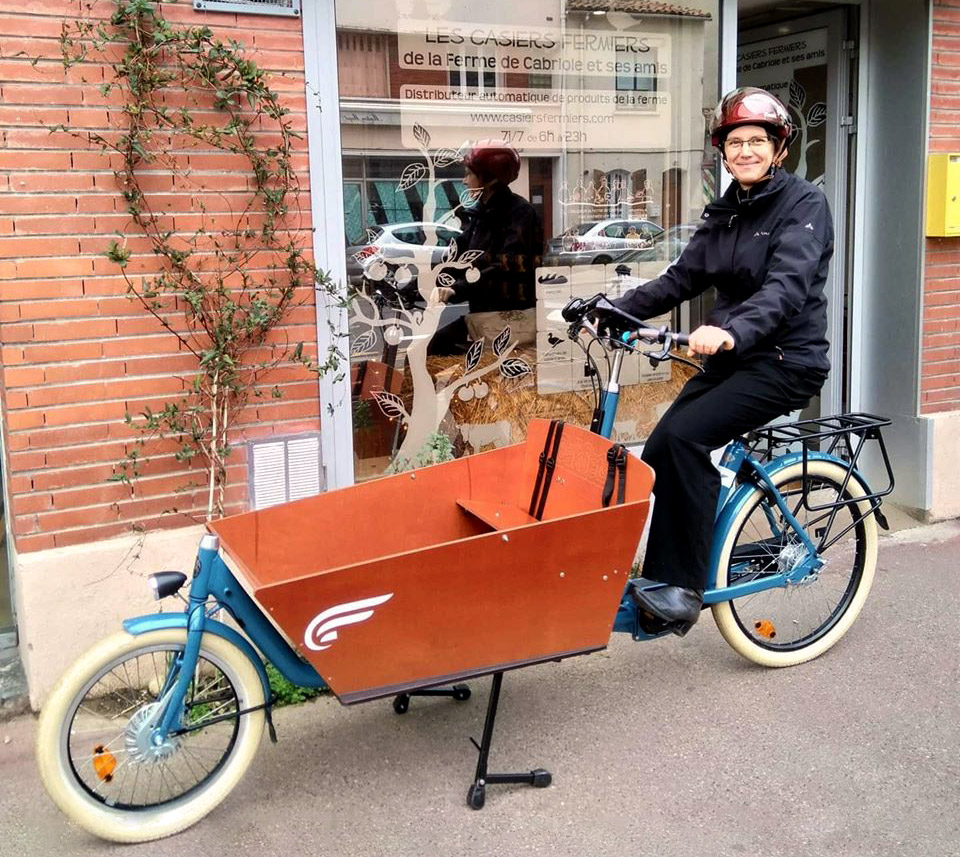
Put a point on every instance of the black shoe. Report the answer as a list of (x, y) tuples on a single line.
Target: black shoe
[(676, 605)]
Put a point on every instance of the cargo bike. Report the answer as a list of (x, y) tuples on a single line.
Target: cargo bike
[(411, 584)]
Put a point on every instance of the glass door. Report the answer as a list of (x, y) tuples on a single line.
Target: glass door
[(808, 63)]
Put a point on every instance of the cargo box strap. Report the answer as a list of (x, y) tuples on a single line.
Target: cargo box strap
[(548, 461), (616, 462)]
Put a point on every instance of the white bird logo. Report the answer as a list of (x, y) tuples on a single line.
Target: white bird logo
[(322, 629)]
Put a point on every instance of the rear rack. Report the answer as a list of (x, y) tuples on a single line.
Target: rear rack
[(844, 436)]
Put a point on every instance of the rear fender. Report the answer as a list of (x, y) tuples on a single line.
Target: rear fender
[(733, 506)]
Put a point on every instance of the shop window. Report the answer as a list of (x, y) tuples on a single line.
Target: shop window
[(605, 109), (250, 7)]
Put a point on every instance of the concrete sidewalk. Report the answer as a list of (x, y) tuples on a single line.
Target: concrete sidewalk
[(675, 747)]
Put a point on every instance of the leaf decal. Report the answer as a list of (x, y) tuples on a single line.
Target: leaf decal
[(446, 280), (798, 95), (817, 115), (515, 368), (391, 405), (470, 256), (468, 199), (450, 253), (373, 234), (411, 174), (364, 342), (446, 157), (421, 135), (473, 355), (502, 341)]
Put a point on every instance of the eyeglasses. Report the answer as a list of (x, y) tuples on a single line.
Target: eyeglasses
[(754, 143)]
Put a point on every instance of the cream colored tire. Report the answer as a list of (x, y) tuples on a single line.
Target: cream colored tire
[(104, 666), (732, 617)]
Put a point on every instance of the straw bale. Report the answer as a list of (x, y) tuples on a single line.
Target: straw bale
[(517, 401)]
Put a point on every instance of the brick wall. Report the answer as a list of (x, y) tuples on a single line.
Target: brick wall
[(940, 378), (77, 354)]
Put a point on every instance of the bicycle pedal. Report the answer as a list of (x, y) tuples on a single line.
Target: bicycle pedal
[(652, 626)]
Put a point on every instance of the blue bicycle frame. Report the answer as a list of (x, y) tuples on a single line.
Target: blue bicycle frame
[(214, 587)]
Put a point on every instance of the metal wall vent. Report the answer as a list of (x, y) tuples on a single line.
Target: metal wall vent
[(283, 469), (250, 7)]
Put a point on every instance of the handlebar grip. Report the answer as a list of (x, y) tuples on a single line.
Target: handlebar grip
[(654, 334)]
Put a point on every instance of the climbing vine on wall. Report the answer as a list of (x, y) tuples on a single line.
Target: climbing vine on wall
[(229, 272)]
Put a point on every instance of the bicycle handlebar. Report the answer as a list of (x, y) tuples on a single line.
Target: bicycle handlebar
[(578, 309)]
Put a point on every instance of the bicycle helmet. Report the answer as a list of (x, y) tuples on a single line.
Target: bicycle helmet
[(493, 161), (750, 105)]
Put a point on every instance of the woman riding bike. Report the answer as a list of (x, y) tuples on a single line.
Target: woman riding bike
[(765, 246)]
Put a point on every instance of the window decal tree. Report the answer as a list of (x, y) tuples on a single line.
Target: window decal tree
[(414, 322), (804, 123)]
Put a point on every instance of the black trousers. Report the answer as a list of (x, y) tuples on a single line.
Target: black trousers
[(712, 409)]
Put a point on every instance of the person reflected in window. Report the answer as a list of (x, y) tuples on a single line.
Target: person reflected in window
[(765, 245), (505, 230)]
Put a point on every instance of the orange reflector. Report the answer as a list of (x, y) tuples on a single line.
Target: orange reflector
[(104, 763), (765, 629)]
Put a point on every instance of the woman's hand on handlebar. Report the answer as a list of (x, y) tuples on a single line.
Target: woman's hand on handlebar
[(708, 340)]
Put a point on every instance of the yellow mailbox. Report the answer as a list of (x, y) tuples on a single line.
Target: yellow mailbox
[(943, 194)]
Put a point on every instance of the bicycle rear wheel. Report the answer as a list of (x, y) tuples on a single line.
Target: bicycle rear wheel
[(797, 622)]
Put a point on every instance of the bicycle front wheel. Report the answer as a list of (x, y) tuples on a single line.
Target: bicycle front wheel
[(796, 622), (95, 750)]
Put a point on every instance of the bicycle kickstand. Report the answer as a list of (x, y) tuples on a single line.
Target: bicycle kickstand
[(477, 793)]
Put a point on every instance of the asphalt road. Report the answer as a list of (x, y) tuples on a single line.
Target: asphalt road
[(674, 747)]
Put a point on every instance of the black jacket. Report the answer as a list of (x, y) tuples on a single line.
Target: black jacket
[(506, 228), (767, 253)]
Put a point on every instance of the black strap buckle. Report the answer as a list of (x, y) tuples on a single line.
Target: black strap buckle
[(616, 464), (548, 461)]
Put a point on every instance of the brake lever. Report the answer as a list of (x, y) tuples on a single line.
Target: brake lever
[(656, 357), (669, 339), (581, 324)]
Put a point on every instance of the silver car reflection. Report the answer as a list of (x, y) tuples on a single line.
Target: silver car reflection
[(392, 240), (600, 242)]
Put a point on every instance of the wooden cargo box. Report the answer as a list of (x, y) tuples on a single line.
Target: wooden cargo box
[(440, 574)]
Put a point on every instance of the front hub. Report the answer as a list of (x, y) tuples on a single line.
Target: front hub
[(142, 742)]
